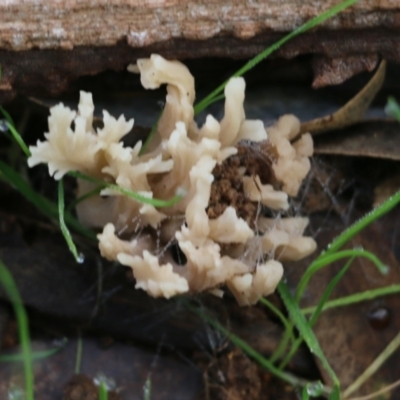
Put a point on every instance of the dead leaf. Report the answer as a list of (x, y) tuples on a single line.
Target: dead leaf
[(336, 70), (376, 138), (353, 111)]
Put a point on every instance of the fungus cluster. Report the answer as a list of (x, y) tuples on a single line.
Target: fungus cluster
[(230, 226)]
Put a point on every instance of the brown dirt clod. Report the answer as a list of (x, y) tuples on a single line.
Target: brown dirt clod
[(81, 387), (227, 188)]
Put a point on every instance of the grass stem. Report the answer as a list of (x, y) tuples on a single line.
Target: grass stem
[(63, 226), (79, 350), (267, 52), (11, 290), (376, 364), (356, 298)]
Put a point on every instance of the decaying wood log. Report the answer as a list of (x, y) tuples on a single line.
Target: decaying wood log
[(27, 24), (44, 44)]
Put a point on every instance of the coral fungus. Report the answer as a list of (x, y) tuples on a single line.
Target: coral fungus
[(234, 177)]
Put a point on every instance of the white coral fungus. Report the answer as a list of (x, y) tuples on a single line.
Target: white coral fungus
[(220, 240)]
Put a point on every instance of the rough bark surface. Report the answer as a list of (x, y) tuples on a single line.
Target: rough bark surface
[(26, 24), (46, 44)]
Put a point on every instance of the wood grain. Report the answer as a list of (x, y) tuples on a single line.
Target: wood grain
[(44, 24)]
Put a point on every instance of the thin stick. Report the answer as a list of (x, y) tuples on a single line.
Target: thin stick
[(379, 392), (377, 363), (78, 360)]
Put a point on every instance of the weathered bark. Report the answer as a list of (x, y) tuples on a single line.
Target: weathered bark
[(45, 44), (27, 24)]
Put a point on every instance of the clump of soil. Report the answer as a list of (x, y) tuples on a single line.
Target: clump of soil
[(81, 387), (227, 189)]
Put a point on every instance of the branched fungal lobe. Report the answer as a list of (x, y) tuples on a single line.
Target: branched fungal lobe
[(234, 176)]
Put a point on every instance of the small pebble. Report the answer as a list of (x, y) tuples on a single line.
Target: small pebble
[(3, 125), (379, 318)]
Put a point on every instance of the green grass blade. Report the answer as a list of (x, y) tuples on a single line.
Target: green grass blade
[(317, 312), (392, 108), (335, 394), (11, 290), (79, 351), (86, 196), (63, 225), (18, 182), (150, 136), (353, 230), (128, 193), (304, 394), (288, 334), (356, 298), (283, 344), (147, 389), (7, 116), (308, 335), (36, 355), (322, 262), (261, 56), (44, 205), (17, 137), (103, 392), (328, 291), (285, 322)]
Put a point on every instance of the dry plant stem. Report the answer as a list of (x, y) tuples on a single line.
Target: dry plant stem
[(379, 392), (40, 102), (353, 111), (78, 360), (377, 363)]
